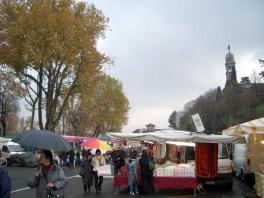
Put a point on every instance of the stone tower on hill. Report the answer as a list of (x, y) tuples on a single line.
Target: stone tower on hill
[(230, 65)]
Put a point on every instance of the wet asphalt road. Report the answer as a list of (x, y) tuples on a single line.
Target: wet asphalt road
[(20, 176)]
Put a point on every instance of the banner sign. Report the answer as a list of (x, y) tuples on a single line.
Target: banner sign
[(198, 122)]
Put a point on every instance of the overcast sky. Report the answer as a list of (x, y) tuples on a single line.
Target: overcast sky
[(169, 52)]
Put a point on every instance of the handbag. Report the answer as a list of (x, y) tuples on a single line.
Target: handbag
[(82, 172), (51, 195)]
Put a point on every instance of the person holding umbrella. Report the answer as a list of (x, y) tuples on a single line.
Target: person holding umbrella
[(98, 160), (48, 179)]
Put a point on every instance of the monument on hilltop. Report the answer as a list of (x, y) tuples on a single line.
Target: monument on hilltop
[(230, 65)]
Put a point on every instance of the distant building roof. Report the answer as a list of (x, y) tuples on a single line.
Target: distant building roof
[(150, 125)]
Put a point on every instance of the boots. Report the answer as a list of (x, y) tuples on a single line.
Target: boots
[(85, 188)]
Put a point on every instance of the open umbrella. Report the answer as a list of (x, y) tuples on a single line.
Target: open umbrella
[(44, 139), (96, 144)]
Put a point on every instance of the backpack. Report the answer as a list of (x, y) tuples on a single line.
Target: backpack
[(151, 164)]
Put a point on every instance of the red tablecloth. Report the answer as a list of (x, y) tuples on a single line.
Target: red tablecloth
[(163, 182), (174, 182)]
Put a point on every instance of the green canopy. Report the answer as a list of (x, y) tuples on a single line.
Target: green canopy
[(103, 136)]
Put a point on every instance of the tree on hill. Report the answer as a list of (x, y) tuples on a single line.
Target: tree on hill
[(206, 106), (173, 120)]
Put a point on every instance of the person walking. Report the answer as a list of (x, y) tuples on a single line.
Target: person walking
[(5, 184), (146, 165), (78, 158), (87, 172), (132, 176), (71, 158), (98, 161), (48, 179), (118, 161)]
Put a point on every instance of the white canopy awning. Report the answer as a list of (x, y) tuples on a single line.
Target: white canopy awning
[(252, 127), (174, 135)]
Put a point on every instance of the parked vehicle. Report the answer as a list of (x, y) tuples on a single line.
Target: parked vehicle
[(248, 157), (224, 172), (10, 148), (239, 154), (26, 159)]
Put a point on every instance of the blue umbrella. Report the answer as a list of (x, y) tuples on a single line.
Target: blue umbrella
[(44, 139)]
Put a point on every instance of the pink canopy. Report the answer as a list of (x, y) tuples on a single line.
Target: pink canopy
[(69, 138)]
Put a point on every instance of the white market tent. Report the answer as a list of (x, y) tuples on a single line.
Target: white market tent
[(176, 135), (252, 127)]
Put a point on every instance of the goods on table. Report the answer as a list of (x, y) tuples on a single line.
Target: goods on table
[(176, 170), (259, 185)]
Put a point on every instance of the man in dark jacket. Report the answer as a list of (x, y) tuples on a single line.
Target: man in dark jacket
[(5, 184), (146, 172)]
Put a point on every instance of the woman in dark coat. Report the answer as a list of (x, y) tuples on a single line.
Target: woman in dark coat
[(87, 172)]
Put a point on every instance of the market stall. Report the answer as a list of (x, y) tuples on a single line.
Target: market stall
[(177, 172), (246, 163)]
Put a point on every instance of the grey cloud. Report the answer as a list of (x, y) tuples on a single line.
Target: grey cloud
[(167, 52)]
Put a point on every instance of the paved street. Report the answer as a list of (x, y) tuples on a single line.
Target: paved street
[(20, 176)]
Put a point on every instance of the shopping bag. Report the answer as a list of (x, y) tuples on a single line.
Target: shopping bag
[(104, 170)]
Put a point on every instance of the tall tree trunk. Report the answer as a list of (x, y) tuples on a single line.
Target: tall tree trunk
[(49, 101), (4, 127), (3, 122), (97, 131), (40, 98), (33, 114), (57, 116)]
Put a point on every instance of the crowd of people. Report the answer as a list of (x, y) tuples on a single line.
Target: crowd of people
[(139, 168), (49, 178)]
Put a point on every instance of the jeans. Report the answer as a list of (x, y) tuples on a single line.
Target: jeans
[(133, 188)]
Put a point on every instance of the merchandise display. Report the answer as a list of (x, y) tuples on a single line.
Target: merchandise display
[(175, 170)]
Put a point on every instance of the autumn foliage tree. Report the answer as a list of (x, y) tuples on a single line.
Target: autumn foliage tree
[(105, 108), (52, 44)]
